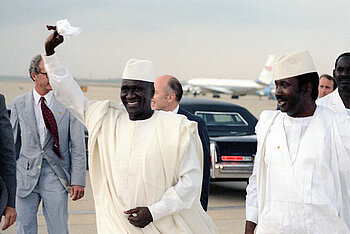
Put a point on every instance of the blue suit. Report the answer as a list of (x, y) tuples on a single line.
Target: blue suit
[(204, 136), (41, 174)]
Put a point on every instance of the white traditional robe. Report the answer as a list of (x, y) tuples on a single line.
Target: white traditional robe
[(306, 194), (137, 163), (333, 101)]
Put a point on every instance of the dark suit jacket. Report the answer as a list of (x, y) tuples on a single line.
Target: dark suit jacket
[(204, 136), (7, 155)]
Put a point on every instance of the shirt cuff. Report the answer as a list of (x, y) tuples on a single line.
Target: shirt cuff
[(158, 210), (252, 214)]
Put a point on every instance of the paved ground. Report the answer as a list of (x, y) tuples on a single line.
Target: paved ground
[(226, 207)]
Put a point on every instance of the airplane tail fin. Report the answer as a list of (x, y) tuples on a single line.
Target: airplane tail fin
[(266, 75)]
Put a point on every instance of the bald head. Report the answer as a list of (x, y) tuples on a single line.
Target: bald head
[(168, 93)]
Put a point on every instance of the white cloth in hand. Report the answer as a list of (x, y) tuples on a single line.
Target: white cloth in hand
[(65, 29)]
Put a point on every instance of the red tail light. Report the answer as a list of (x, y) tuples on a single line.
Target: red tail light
[(232, 158)]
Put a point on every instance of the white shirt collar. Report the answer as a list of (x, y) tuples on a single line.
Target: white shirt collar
[(176, 110), (48, 97)]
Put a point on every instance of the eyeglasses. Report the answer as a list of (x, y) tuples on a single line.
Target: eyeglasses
[(44, 73)]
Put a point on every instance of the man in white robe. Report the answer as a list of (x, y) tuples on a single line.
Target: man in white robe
[(145, 165), (339, 100), (300, 182)]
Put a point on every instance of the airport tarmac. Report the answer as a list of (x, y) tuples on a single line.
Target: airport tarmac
[(226, 199), (226, 208)]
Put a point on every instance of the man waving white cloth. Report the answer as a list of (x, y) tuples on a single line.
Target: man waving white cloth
[(145, 165), (301, 180)]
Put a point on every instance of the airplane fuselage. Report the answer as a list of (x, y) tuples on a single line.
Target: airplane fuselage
[(236, 87), (227, 86)]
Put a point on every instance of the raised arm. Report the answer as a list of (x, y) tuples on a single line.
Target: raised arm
[(52, 41), (66, 90)]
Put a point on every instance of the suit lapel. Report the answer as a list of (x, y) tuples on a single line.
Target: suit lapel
[(58, 110), (29, 116)]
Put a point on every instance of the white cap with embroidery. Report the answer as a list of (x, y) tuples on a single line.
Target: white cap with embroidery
[(136, 69), (293, 64)]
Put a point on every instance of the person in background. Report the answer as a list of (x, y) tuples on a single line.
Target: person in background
[(168, 93), (339, 100), (326, 86), (7, 168), (50, 153)]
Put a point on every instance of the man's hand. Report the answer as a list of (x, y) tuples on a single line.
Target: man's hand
[(140, 216), (52, 41), (10, 217), (249, 227), (76, 192)]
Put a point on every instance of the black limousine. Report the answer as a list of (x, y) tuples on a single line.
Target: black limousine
[(233, 141)]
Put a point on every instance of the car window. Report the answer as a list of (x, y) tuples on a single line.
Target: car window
[(222, 118)]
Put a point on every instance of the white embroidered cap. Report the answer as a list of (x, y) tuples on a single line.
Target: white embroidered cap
[(293, 64), (136, 69)]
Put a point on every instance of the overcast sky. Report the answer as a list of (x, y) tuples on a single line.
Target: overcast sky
[(188, 39)]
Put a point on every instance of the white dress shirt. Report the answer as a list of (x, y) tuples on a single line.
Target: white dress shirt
[(176, 109), (295, 129), (42, 130)]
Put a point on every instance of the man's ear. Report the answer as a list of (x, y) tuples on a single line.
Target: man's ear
[(172, 97), (33, 76), (307, 88)]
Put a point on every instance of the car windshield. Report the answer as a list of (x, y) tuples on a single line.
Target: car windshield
[(222, 118)]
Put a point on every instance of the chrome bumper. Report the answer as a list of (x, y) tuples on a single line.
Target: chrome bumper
[(232, 170), (228, 170)]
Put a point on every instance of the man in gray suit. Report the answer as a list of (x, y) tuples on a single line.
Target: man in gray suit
[(50, 153), (7, 168)]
